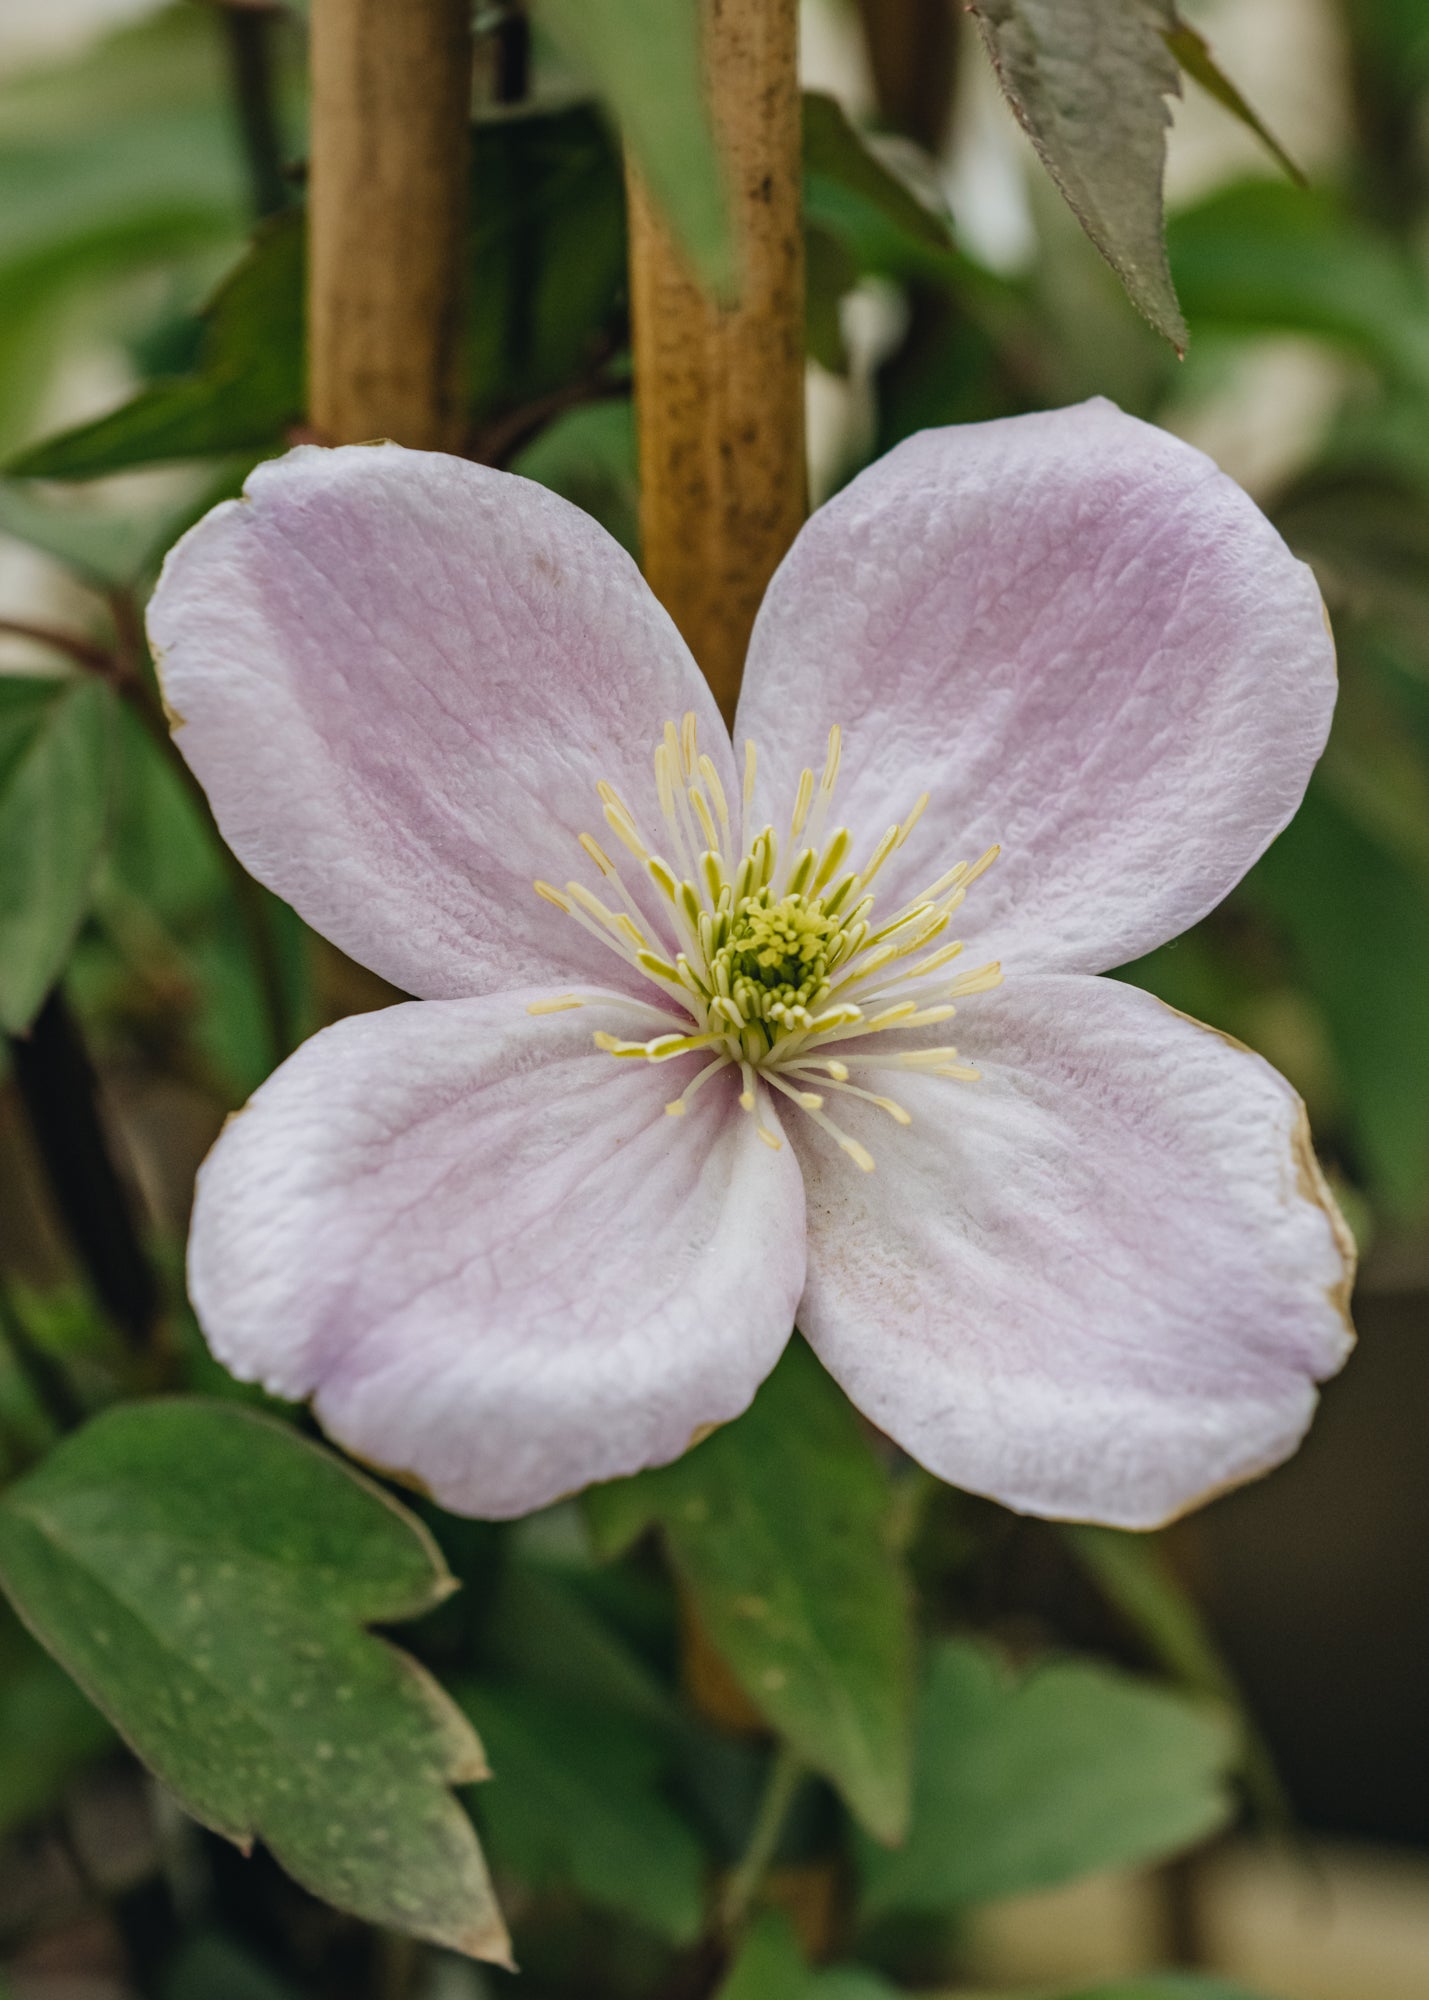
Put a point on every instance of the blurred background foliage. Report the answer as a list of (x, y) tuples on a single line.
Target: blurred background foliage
[(151, 351)]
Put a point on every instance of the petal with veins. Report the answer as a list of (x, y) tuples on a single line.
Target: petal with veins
[(398, 676), (486, 1253), (1099, 1285), (1084, 642)]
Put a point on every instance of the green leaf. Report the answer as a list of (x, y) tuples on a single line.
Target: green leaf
[(547, 256), (214, 1968), (1344, 901), (769, 1966), (1089, 83), (850, 194), (106, 548), (116, 162), (205, 1574), (546, 1634), (247, 387), (547, 245), (1027, 1781), (575, 1798), (57, 762), (1193, 53), (1272, 258), (644, 58), (778, 1527), (48, 1731), (1135, 1577), (588, 457)]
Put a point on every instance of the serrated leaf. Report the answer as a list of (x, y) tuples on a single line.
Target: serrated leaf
[(778, 1526), (645, 59), (1089, 82), (206, 1575), (57, 765), (1025, 1781), (576, 1800)]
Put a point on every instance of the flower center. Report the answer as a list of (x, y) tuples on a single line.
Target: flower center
[(771, 959)]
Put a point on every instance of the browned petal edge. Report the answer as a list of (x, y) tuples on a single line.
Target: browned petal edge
[(1311, 1185), (1310, 1180)]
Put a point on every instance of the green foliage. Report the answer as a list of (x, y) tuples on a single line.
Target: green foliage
[(1025, 1781), (57, 761), (577, 1799), (547, 242), (778, 1527), (852, 195), (206, 1575), (116, 164), (547, 256), (105, 548), (1265, 257), (1090, 83), (213, 1968), (769, 1966), (247, 384), (1345, 902), (48, 1731), (644, 58)]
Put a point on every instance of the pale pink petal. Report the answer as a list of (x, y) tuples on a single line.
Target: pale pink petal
[(1084, 641), (399, 677), (1098, 1284), (482, 1248)]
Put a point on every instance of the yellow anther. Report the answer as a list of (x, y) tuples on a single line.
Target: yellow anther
[(550, 895)]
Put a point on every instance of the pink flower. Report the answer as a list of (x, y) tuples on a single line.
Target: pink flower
[(548, 1222)]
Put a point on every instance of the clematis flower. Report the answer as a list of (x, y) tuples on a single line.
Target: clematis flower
[(706, 1044)]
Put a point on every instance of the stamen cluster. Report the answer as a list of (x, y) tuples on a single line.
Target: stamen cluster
[(772, 960)]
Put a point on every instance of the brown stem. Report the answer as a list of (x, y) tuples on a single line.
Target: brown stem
[(86, 653), (391, 101), (720, 389), (249, 33), (497, 442), (913, 52)]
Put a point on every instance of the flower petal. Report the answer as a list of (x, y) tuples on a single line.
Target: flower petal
[(1084, 641), (1098, 1284), (398, 677), (487, 1254)]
